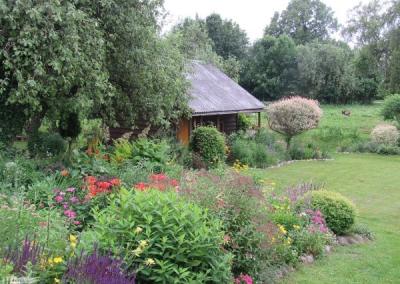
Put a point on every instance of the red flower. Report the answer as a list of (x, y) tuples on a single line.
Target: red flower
[(104, 185), (174, 183), (91, 180), (158, 177), (115, 182), (141, 186)]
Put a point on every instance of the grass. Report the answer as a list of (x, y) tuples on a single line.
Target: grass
[(372, 182)]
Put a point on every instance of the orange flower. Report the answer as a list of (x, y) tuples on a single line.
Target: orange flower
[(64, 173), (115, 182)]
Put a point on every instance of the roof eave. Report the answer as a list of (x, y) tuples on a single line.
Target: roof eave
[(206, 113)]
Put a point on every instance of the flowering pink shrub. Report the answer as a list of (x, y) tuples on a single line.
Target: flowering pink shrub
[(294, 115), (385, 134), (317, 221)]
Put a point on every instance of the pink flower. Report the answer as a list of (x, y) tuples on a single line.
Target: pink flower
[(59, 198), (65, 205), (244, 279), (71, 189), (62, 193), (74, 199), (70, 214), (77, 223)]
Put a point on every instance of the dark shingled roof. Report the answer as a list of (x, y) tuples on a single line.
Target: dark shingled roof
[(213, 92)]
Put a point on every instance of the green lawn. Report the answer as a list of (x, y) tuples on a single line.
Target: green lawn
[(373, 183)]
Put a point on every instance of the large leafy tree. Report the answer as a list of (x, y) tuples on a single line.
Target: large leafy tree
[(376, 26), (194, 43), (146, 70), (270, 71), (304, 21), (51, 60), (229, 40), (325, 73)]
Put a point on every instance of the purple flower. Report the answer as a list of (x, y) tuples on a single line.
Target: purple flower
[(95, 268), (30, 253), (71, 189), (62, 193)]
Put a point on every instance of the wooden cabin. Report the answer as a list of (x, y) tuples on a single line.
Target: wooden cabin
[(215, 99)]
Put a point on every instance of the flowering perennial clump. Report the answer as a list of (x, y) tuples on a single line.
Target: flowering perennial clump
[(99, 269), (160, 182), (96, 186), (20, 258)]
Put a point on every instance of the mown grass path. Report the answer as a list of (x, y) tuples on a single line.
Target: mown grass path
[(373, 183)]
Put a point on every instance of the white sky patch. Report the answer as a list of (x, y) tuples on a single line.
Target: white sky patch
[(251, 15)]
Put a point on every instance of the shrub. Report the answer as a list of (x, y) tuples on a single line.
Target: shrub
[(385, 134), (307, 152), (47, 145), (260, 150), (244, 122), (292, 116), (237, 202), (339, 212), (209, 144), (165, 238), (308, 242), (391, 108)]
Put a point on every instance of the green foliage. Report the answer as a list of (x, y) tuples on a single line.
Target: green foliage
[(307, 242), (287, 219), (209, 144), (20, 221), (325, 72), (227, 37), (70, 125), (338, 211), (47, 145), (194, 43), (306, 152), (260, 150), (244, 122), (179, 236), (236, 201), (270, 70), (51, 60), (391, 108), (304, 21)]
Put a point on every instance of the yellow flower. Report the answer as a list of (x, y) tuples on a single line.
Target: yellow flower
[(143, 244), (282, 229), (289, 241), (138, 230), (57, 259), (296, 227), (73, 239), (138, 251), (56, 280), (149, 262)]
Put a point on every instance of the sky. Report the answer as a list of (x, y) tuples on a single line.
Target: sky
[(251, 15)]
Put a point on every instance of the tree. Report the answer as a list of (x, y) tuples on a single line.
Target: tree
[(292, 116), (194, 43), (325, 72), (270, 70), (51, 56), (304, 21), (227, 37), (148, 72)]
